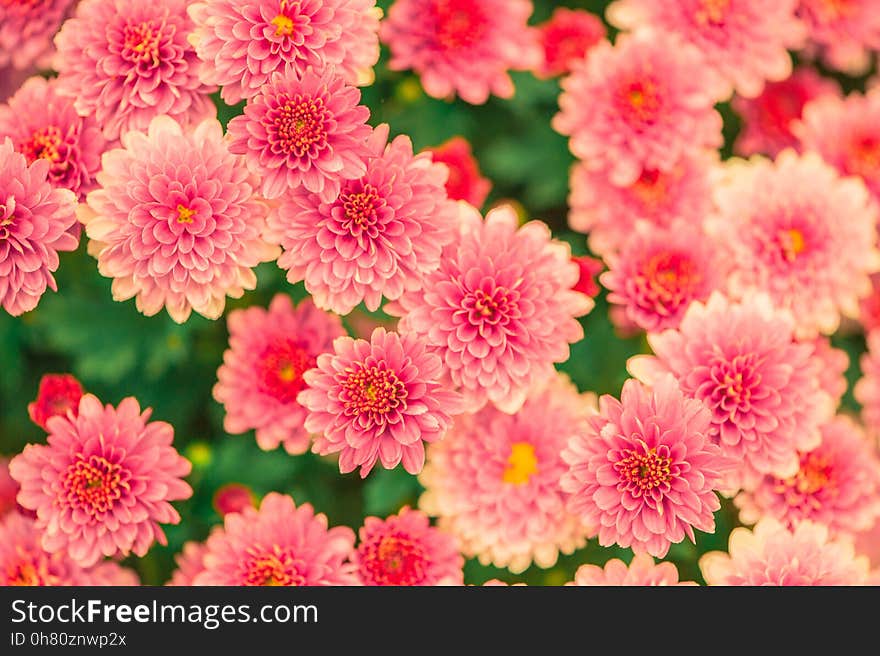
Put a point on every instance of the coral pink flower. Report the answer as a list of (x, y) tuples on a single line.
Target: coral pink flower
[(768, 118), (775, 555), (641, 571), (44, 125), (744, 42), (463, 47), (405, 549), (58, 394), (868, 544), (243, 42), (831, 367), (379, 236), (869, 306), (493, 480), (26, 31), (465, 182), (175, 222), (377, 400), (262, 370), (645, 471), (127, 61), (659, 271), (36, 222), (589, 268), (501, 308), (190, 561), (867, 389), (640, 104), (566, 37), (609, 213), (281, 545), (308, 131), (8, 489), (845, 31), (102, 484), (233, 497), (799, 232)]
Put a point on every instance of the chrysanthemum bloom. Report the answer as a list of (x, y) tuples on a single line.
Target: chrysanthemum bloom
[(44, 125), (36, 222), (566, 37), (868, 544), (26, 31), (103, 482), (190, 562), (175, 222), (463, 47), (845, 31), (609, 213), (869, 306), (867, 389), (493, 480), (233, 497), (405, 549), (262, 370), (380, 399), (639, 104), (660, 271), (379, 236), (801, 233), (589, 268), (279, 545), (127, 61), (775, 555), (641, 571), (831, 365), (242, 42), (307, 131), (465, 182), (500, 310), (744, 42), (57, 395), (8, 489), (768, 118)]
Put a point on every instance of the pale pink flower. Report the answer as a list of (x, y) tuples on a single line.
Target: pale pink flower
[(867, 389), (190, 563), (641, 571), (566, 37), (868, 544), (465, 182), (58, 394), (831, 366), (8, 489), (26, 31), (845, 32), (869, 306)]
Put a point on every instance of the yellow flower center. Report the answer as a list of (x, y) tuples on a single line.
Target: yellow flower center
[(283, 25), (793, 243), (712, 11), (521, 464), (185, 214)]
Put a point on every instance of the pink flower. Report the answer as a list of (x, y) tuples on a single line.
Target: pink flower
[(639, 104), (869, 306), (377, 400), (501, 308), (378, 236), (26, 31), (233, 497), (405, 549), (463, 47), (831, 366), (868, 544), (566, 37), (493, 480), (465, 182), (57, 395), (175, 222), (280, 545), (744, 42), (125, 62), (190, 562), (867, 389), (775, 555), (845, 31), (102, 484), (243, 42), (768, 118), (262, 370), (799, 232), (642, 571), (8, 489), (609, 213), (36, 221), (308, 131), (589, 268)]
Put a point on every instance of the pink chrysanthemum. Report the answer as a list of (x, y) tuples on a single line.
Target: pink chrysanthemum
[(609, 214), (799, 232), (645, 471), (501, 309), (190, 562), (566, 37), (175, 222), (831, 366), (243, 42), (379, 236), (127, 61), (405, 549), (642, 571), (26, 31), (493, 481), (103, 483), (463, 47), (279, 545), (660, 271), (233, 497), (867, 389), (869, 306), (262, 371), (589, 267), (465, 182), (761, 387), (57, 395), (639, 104), (307, 131), (868, 544), (768, 118), (775, 555), (8, 489), (36, 222), (845, 32), (377, 400), (744, 42)]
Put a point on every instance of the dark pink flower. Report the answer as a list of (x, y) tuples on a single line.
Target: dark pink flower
[(57, 395), (465, 182), (566, 37)]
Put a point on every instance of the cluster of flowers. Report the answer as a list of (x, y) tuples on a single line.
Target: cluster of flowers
[(737, 271)]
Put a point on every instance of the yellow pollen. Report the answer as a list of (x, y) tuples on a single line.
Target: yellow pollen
[(521, 464), (713, 11), (185, 214), (793, 243), (287, 372), (636, 98), (283, 25)]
